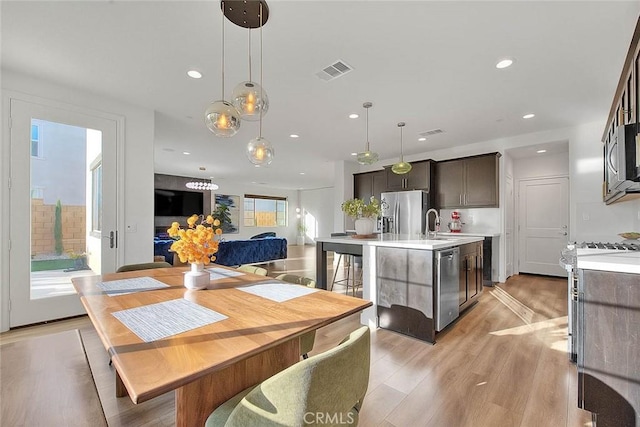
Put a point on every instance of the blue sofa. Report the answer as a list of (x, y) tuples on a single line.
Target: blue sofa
[(238, 252), (234, 252)]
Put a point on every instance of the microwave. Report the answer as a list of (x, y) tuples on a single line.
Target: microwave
[(622, 160)]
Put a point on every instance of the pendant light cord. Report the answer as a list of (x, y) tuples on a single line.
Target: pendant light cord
[(261, 85), (367, 148), (223, 51), (249, 32), (401, 153)]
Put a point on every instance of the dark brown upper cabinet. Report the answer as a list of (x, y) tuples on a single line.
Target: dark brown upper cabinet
[(470, 182), (369, 184), (418, 178)]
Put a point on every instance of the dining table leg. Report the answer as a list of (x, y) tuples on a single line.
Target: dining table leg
[(195, 401)]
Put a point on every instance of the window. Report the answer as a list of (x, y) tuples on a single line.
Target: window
[(96, 198), (37, 193), (36, 142), (265, 211)]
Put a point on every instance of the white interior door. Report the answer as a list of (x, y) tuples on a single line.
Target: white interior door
[(509, 221), (63, 207), (543, 214)]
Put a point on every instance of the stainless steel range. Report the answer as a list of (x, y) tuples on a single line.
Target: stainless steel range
[(569, 260)]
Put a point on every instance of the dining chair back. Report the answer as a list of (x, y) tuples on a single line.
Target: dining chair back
[(331, 384), (307, 340), (298, 280), (252, 269), (143, 266)]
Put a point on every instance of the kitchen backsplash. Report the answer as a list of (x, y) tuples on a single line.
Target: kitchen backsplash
[(480, 220)]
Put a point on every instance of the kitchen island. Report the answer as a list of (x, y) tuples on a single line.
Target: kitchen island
[(417, 286)]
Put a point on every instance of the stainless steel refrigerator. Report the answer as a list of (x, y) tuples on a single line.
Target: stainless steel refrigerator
[(403, 212)]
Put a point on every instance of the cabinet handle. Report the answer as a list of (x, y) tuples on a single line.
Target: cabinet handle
[(460, 199), (465, 199)]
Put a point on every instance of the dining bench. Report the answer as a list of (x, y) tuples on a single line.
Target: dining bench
[(47, 381)]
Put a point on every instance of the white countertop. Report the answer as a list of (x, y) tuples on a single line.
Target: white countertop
[(404, 241), (447, 233), (611, 260)]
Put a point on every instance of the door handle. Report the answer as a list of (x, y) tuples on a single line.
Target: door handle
[(564, 233), (112, 239)]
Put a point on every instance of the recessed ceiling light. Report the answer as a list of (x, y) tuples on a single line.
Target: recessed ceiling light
[(541, 151), (186, 153), (293, 135), (422, 138), (353, 116), (528, 116), (354, 154), (169, 150), (504, 63), (194, 74), (301, 173)]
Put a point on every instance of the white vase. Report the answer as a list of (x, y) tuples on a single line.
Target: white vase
[(364, 226), (197, 278)]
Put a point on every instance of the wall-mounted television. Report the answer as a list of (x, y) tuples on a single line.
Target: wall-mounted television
[(177, 202)]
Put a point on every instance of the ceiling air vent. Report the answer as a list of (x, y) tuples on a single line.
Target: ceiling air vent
[(431, 132), (337, 69)]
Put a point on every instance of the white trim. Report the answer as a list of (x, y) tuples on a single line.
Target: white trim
[(5, 174)]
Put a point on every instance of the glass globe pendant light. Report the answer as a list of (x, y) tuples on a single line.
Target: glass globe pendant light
[(401, 167), (259, 150), (249, 97), (221, 117), (367, 157)]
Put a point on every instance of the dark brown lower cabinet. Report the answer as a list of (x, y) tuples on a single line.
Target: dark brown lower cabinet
[(609, 347), (470, 274)]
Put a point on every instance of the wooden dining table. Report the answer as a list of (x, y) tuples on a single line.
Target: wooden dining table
[(209, 364)]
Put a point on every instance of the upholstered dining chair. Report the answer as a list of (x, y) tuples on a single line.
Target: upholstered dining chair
[(143, 266), (307, 340), (298, 280), (252, 269), (333, 384)]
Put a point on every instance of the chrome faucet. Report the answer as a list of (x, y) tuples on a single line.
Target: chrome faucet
[(436, 225)]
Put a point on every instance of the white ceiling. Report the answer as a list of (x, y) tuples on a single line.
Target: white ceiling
[(429, 64)]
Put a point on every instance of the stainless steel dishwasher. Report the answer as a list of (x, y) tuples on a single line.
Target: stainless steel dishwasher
[(447, 274)]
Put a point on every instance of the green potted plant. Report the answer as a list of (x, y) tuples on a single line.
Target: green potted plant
[(365, 214)]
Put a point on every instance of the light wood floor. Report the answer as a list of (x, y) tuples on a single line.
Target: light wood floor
[(503, 363)]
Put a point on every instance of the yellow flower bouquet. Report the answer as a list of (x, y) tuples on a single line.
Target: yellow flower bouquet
[(198, 243)]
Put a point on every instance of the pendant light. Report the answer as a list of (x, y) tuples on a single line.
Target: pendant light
[(201, 185), (367, 157), (221, 117), (259, 150), (401, 167), (249, 97)]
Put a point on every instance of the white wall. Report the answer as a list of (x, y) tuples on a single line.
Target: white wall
[(591, 219), (317, 205), (137, 135), (232, 188), (541, 166), (343, 190)]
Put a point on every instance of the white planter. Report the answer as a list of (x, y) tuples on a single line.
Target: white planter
[(197, 278), (300, 240), (364, 226)]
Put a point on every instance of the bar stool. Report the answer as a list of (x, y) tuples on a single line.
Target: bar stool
[(349, 263)]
